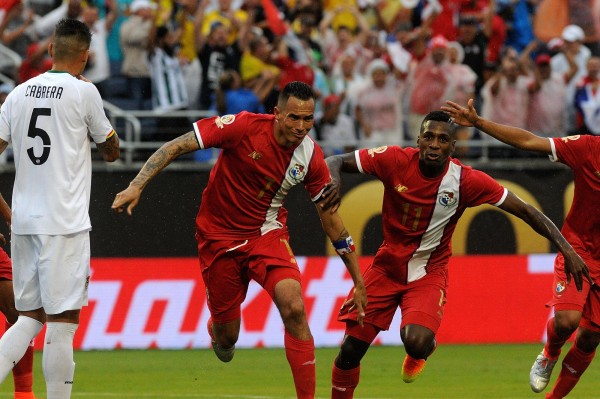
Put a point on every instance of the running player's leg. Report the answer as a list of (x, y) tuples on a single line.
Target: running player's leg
[(568, 306), (226, 284), (422, 307), (382, 296)]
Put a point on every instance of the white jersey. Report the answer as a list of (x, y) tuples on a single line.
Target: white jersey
[(49, 120)]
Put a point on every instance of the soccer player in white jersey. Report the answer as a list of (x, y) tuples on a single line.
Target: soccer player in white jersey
[(425, 193), (50, 121), (241, 225)]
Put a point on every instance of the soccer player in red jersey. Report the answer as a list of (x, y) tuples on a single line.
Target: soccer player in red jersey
[(574, 309), (23, 370), (426, 192), (241, 224)]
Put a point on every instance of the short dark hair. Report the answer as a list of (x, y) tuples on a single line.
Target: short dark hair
[(439, 116), (71, 36), (296, 89)]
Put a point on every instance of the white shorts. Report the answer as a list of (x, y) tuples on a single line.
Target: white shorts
[(51, 272)]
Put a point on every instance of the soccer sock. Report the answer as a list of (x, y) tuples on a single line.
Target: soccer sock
[(573, 365), (301, 357), (15, 341), (554, 342), (57, 360), (344, 382), (23, 370)]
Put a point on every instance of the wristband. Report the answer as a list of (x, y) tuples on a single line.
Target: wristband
[(344, 246)]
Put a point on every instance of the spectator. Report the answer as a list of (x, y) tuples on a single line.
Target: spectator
[(378, 107), (429, 80), (506, 100), (257, 70), (36, 61), (232, 19), (98, 66), (188, 55), (587, 100), (572, 37), (136, 35), (347, 82), (233, 98), (548, 91), (334, 129), (475, 43), (215, 55)]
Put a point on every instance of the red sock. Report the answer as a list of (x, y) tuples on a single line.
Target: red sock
[(301, 357), (573, 365), (554, 343), (23, 371), (344, 382)]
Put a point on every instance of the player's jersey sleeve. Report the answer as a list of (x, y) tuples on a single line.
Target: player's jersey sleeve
[(570, 150), (99, 126), (318, 175), (380, 161), (479, 188), (5, 118), (222, 131)]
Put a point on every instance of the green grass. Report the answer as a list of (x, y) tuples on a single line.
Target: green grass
[(454, 371)]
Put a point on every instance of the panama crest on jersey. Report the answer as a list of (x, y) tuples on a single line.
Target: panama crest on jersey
[(447, 198), (297, 172), (560, 287)]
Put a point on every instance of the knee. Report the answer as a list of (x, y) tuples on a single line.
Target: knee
[(418, 342), (351, 353), (587, 341), (225, 335), (293, 311), (566, 323)]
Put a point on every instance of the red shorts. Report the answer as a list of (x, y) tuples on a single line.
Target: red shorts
[(566, 297), (228, 266), (5, 266), (421, 302)]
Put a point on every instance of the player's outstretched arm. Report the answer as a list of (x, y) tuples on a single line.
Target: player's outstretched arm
[(158, 161), (516, 137), (341, 240), (110, 148), (574, 265), (337, 164)]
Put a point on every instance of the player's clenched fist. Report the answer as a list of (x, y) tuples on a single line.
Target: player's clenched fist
[(131, 196)]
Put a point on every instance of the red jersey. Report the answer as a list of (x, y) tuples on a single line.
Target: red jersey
[(248, 184), (582, 225), (420, 213)]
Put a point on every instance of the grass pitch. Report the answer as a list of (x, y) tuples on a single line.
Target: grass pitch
[(454, 371)]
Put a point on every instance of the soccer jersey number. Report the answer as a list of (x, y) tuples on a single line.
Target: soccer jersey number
[(34, 132)]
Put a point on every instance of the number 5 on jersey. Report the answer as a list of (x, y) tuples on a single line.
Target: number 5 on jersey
[(34, 132)]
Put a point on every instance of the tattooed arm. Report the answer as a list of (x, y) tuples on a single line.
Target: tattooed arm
[(157, 162), (110, 148)]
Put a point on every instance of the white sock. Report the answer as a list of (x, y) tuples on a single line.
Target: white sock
[(15, 342), (57, 360)]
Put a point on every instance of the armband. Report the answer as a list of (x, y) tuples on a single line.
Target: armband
[(344, 246)]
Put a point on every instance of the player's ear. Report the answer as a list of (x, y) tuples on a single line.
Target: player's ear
[(51, 49)]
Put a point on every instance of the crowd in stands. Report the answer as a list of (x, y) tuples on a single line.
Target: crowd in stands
[(377, 66)]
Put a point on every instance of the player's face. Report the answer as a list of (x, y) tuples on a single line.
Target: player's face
[(293, 121), (435, 143)]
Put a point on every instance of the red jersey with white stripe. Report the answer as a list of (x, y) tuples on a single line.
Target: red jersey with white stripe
[(420, 213), (582, 225), (248, 184)]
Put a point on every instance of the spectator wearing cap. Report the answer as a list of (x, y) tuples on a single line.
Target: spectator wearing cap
[(136, 36), (379, 107), (233, 20), (333, 129), (587, 100), (215, 54), (428, 82), (36, 62), (547, 93), (572, 42)]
